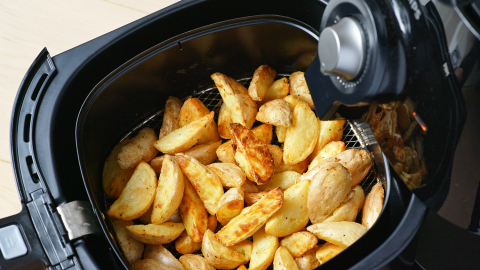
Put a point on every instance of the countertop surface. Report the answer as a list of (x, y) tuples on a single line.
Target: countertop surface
[(28, 26)]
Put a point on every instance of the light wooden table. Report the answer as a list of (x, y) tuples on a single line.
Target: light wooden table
[(26, 27)]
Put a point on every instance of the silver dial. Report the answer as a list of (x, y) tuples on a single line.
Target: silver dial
[(341, 49)]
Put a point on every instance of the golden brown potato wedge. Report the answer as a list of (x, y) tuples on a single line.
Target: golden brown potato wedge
[(156, 234), (262, 80), (242, 267), (245, 247), (139, 148), (276, 112), (185, 137), (300, 167), (171, 116), (358, 162), (251, 219), (194, 109), (281, 133), (205, 153), (137, 196), (225, 152), (300, 139), (264, 133), (249, 186), (205, 181), (194, 214), (300, 242), (348, 211), (185, 245), (283, 260), (342, 234), (308, 260), (224, 121), (278, 90), (327, 191), (218, 255), (253, 197), (230, 174), (293, 215), (277, 155), (330, 150), (329, 131), (169, 193), (195, 262), (156, 164), (299, 88), (239, 104), (373, 205), (283, 180), (161, 254), (327, 251), (251, 154), (230, 205), (132, 249), (263, 251), (150, 264), (114, 178)]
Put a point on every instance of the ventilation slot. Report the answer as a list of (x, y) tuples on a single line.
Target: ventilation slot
[(39, 86), (26, 128), (31, 169)]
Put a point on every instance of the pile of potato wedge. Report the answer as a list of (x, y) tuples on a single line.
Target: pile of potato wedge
[(200, 194)]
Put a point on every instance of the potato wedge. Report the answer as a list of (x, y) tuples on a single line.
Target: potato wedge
[(299, 87), (277, 155), (114, 178), (251, 219), (185, 137), (171, 116), (137, 196), (300, 167), (185, 245), (293, 215), (328, 189), (169, 193), (245, 247), (253, 197), (283, 260), (263, 251), (308, 260), (195, 262), (373, 205), (329, 131), (264, 133), (225, 152), (239, 104), (300, 139), (230, 174), (194, 109), (132, 249), (327, 251), (276, 112), (358, 162), (207, 184), (292, 101), (150, 264), (230, 205), (262, 80), (251, 154), (218, 255), (161, 254), (249, 186), (300, 242), (278, 90), (330, 150), (224, 121), (156, 164), (146, 218), (242, 267), (194, 214), (342, 234), (283, 180), (156, 234), (348, 211), (138, 149), (281, 133), (205, 153)]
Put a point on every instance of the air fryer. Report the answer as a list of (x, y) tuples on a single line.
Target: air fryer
[(83, 101)]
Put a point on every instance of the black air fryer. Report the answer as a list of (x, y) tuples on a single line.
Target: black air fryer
[(72, 109)]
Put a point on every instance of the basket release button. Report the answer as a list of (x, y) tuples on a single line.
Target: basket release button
[(12, 244)]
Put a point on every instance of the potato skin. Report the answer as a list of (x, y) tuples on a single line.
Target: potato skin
[(154, 234), (348, 211), (194, 214), (328, 189), (261, 82), (161, 254), (132, 249), (308, 260), (224, 121), (342, 234), (171, 116), (300, 242), (358, 162), (276, 112), (279, 89), (114, 178), (140, 148), (230, 174), (150, 264), (283, 260), (299, 87), (373, 205), (230, 205), (218, 255), (195, 262), (205, 153), (329, 131), (330, 150)]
